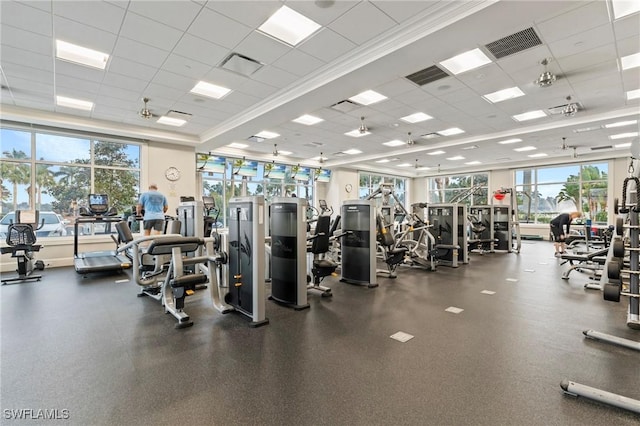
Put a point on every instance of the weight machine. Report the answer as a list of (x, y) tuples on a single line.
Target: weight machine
[(448, 223), (505, 222)]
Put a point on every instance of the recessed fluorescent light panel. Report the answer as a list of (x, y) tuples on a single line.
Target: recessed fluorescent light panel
[(416, 118), (457, 157), (404, 165), (210, 90), (352, 151), (267, 135), (473, 163), (74, 103), (238, 145), (169, 121), (368, 97), (630, 61), (622, 145), (395, 142), (620, 124), (81, 55), (538, 155), (466, 61), (440, 152), (525, 148), (384, 160), (504, 94), (466, 148), (531, 115), (633, 94), (623, 8), (423, 168), (624, 135), (509, 141), (357, 133), (286, 152), (308, 120), (451, 131), (289, 26)]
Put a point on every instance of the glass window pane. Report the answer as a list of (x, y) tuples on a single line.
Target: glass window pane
[(62, 149), (16, 178), (594, 171), (557, 174), (116, 154), (122, 186), (594, 201), (15, 144)]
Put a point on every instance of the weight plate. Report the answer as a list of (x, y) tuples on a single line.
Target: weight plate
[(613, 270), (618, 248), (611, 292), (619, 226)]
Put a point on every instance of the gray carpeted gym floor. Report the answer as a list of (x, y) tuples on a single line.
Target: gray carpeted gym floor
[(97, 354)]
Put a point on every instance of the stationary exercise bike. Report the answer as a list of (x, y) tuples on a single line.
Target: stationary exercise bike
[(21, 241)]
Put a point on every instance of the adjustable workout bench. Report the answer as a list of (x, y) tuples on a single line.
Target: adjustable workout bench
[(593, 261)]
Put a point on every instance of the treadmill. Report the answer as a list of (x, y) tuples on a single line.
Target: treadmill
[(97, 261)]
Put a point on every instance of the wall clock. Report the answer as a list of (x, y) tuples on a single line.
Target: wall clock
[(172, 174)]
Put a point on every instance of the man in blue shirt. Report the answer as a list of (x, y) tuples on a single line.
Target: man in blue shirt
[(155, 206)]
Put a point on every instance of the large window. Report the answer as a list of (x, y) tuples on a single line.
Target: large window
[(468, 189), (223, 181), (55, 173), (543, 193)]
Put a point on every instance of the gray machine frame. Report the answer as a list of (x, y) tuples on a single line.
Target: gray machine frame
[(358, 245), (455, 216), (246, 253), (288, 226)]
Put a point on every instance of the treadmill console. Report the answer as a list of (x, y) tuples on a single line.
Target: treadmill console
[(98, 203)]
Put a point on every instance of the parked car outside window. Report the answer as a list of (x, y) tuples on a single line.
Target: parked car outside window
[(53, 225)]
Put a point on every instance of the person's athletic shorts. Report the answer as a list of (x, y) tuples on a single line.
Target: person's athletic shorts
[(156, 224), (557, 233)]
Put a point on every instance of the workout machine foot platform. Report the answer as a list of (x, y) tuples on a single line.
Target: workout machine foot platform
[(576, 389)]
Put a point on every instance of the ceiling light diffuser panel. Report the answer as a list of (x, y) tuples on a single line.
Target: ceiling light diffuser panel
[(630, 61), (176, 122), (81, 55), (308, 120), (210, 90), (368, 97), (74, 103), (622, 8), (504, 94), (289, 26), (466, 61), (530, 115), (416, 117)]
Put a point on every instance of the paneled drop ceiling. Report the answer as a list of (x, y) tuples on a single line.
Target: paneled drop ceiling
[(160, 49)]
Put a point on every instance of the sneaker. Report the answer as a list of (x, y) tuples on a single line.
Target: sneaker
[(558, 254)]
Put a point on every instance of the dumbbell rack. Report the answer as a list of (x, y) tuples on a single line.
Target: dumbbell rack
[(615, 268), (612, 292)]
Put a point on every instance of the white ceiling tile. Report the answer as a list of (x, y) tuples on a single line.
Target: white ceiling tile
[(14, 55), (22, 15), (176, 14), (257, 88), (401, 10), (250, 13), (34, 104), (150, 32), (274, 76), (122, 66), (28, 87), (322, 15), (528, 60), (160, 92), (242, 99), (124, 82), (583, 41), (631, 79), (200, 50), (139, 52), (186, 67), (99, 14), (592, 14), (107, 92), (20, 71), (79, 86), (326, 45), (169, 79), (627, 26), (261, 48), (218, 29), (25, 40), (376, 23), (595, 56), (78, 71), (298, 63), (83, 35), (396, 87), (628, 46), (131, 104)]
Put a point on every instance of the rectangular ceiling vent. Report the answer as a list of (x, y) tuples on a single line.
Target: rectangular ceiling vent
[(345, 106), (256, 139), (240, 64), (178, 114), (427, 75), (514, 43), (560, 108), (599, 148), (430, 135)]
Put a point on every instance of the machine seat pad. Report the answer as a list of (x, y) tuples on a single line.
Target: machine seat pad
[(189, 281), (165, 245), (398, 250), (324, 263), (589, 257)]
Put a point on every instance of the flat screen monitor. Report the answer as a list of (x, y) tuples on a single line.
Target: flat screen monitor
[(302, 173), (248, 168), (98, 203), (323, 175)]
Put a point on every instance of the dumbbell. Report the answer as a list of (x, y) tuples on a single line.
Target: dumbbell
[(620, 226)]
